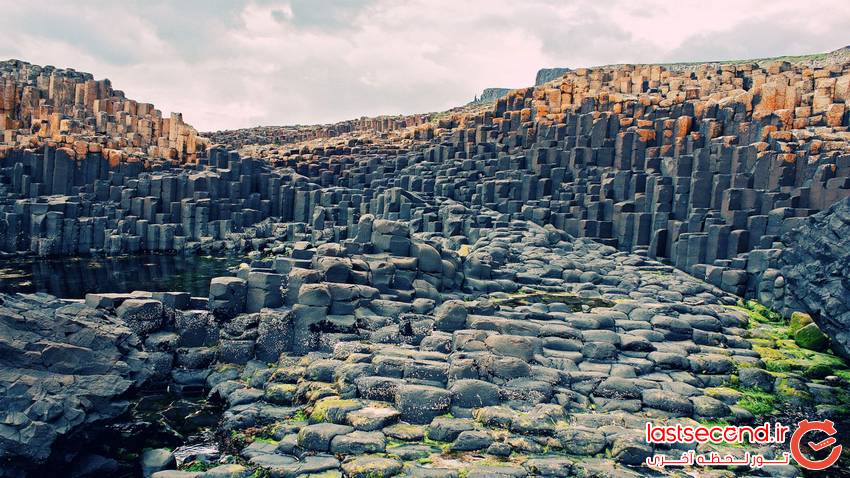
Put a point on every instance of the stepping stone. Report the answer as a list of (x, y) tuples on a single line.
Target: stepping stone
[(272, 460), (419, 471), (306, 466), (751, 377), (668, 401), (550, 467), (358, 443), (630, 449), (405, 432), (421, 403), (371, 467), (707, 407), (471, 440), (504, 471), (412, 452), (474, 393), (578, 441), (447, 429), (372, 418), (334, 409), (318, 437), (280, 393)]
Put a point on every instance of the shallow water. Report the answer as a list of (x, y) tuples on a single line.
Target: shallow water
[(155, 419), (73, 278)]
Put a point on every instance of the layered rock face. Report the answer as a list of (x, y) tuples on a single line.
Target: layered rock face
[(816, 268), (63, 367), (71, 108)]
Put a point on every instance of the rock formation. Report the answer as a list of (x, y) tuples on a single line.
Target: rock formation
[(816, 269), (280, 135), (545, 75), (511, 290), (491, 94), (63, 368), (703, 168), (70, 108)]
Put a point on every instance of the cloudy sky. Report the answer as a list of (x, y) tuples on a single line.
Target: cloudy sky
[(231, 64)]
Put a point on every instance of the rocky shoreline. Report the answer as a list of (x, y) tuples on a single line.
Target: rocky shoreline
[(512, 291), (402, 370)]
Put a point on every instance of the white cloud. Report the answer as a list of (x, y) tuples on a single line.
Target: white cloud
[(230, 64)]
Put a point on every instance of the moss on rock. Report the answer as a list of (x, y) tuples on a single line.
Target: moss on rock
[(810, 337)]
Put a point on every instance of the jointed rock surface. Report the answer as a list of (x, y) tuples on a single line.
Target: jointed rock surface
[(513, 291)]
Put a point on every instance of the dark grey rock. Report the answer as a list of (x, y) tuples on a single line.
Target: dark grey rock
[(471, 440), (421, 403), (358, 443), (318, 437), (668, 401), (143, 316), (469, 393), (751, 377), (450, 316), (67, 366), (448, 429), (814, 266)]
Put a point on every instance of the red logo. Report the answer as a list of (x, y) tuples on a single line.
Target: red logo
[(806, 426)]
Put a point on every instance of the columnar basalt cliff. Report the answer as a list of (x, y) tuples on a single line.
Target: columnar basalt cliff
[(71, 108), (509, 290), (703, 167)]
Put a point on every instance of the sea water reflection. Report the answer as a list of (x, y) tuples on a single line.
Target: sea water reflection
[(73, 278)]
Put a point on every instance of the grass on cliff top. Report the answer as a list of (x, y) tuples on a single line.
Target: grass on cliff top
[(760, 61)]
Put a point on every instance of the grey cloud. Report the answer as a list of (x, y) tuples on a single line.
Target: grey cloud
[(329, 15), (775, 35)]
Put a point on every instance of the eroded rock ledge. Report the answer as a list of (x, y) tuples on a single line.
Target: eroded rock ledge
[(63, 367)]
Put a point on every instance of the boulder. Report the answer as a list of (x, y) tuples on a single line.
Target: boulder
[(368, 466), (274, 335), (156, 460), (470, 393), (318, 437), (429, 259), (810, 337), (67, 366)]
